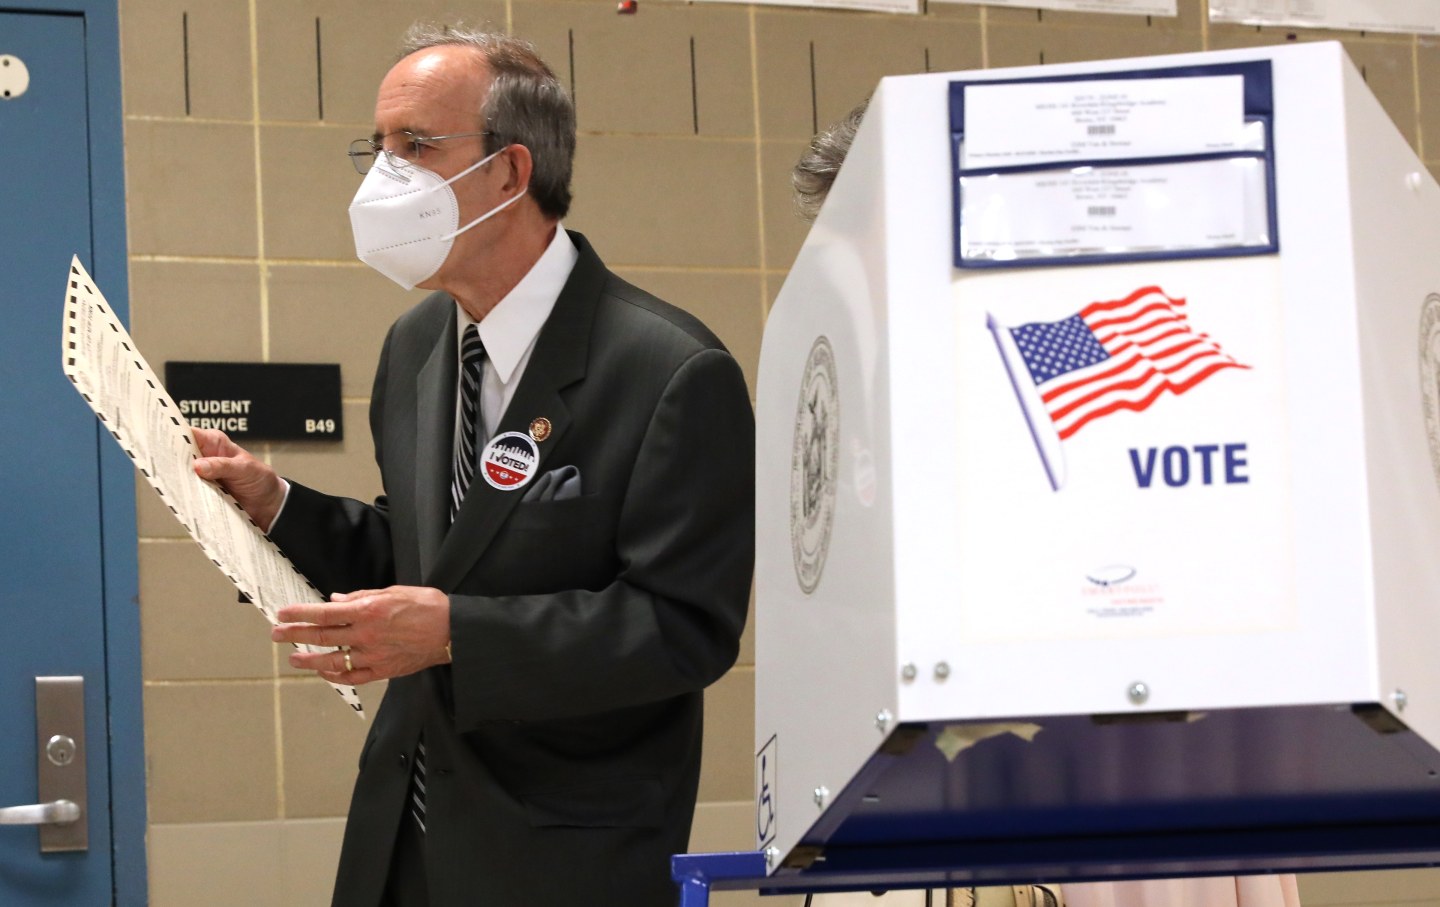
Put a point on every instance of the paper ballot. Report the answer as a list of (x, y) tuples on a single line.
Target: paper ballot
[(109, 372)]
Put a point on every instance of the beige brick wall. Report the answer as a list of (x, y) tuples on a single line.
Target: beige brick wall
[(237, 114)]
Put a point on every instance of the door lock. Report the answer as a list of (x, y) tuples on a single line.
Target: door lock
[(60, 767), (60, 750)]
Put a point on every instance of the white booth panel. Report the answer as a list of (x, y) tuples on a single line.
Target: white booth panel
[(1017, 579)]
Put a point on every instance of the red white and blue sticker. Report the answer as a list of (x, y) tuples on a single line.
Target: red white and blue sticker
[(509, 460)]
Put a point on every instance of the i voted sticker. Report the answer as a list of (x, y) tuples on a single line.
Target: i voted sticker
[(508, 461)]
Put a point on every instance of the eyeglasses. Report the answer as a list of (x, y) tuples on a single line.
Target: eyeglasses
[(412, 148)]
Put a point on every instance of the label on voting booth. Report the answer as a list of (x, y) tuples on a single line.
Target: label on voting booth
[(1134, 480), (1138, 165), (1108, 210), (1014, 124), (1211, 204)]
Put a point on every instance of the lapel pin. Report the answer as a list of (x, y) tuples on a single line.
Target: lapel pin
[(540, 428)]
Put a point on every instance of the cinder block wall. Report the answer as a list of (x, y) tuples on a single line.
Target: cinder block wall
[(237, 116)]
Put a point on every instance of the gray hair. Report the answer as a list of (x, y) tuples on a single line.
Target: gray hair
[(820, 163), (526, 105)]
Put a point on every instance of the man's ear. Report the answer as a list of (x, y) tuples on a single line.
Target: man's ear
[(521, 165)]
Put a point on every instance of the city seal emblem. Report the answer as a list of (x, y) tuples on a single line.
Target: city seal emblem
[(1430, 376), (814, 465)]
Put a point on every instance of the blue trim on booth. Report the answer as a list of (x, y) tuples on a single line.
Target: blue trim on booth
[(698, 873), (1299, 788), (120, 542), (904, 866)]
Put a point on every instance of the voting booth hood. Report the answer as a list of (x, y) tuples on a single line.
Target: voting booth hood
[(1099, 471)]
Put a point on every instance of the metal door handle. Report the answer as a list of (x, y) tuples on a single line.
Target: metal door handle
[(58, 812), (61, 814)]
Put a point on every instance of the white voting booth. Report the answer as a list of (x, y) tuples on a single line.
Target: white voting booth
[(1099, 483)]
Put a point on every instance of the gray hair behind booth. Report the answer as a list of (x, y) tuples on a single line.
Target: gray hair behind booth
[(816, 170)]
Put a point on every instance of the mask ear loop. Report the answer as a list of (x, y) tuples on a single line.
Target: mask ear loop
[(475, 166), (488, 214), (493, 211)]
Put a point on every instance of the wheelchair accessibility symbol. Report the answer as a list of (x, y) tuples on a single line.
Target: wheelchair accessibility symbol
[(765, 765)]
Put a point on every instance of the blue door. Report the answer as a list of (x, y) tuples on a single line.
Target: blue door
[(60, 493)]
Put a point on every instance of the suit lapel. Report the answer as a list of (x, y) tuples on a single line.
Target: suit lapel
[(561, 352), (435, 443)]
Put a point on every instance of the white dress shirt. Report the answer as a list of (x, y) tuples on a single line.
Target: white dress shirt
[(509, 333), (510, 329)]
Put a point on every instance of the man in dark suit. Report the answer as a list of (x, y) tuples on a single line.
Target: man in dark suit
[(546, 645)]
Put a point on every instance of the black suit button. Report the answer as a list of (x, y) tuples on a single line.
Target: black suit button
[(404, 760)]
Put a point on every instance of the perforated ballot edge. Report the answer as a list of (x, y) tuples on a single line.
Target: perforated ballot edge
[(102, 361)]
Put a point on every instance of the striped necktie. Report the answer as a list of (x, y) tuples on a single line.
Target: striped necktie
[(417, 785), (472, 361)]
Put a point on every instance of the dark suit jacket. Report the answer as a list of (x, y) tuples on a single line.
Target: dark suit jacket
[(563, 743)]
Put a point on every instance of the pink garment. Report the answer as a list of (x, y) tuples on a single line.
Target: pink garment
[(1219, 891)]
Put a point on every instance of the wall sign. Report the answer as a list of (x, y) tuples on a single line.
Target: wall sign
[(259, 401), (1129, 7), (879, 6), (1418, 16)]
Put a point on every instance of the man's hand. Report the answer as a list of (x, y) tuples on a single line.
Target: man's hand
[(389, 633), (253, 484)]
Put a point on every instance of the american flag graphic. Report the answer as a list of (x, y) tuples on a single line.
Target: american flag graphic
[(1117, 355)]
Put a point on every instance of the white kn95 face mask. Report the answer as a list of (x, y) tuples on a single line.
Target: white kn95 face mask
[(406, 220)]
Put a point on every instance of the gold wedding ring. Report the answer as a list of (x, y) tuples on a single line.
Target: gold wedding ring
[(348, 665)]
